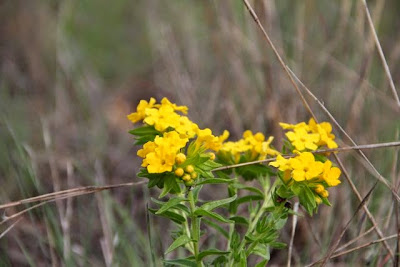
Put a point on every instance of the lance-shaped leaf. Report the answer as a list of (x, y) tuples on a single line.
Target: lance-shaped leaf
[(180, 241), (175, 217), (188, 262), (217, 203), (213, 215), (208, 252), (170, 204)]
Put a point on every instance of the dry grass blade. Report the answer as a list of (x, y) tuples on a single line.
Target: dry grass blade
[(360, 206), (356, 239), (381, 55), (357, 248), (9, 228), (67, 193)]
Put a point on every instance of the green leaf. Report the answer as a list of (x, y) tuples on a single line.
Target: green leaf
[(217, 203), (188, 262), (171, 203), (208, 252), (145, 130), (278, 245), (249, 188), (239, 220), (251, 172), (214, 225), (175, 217), (249, 198), (216, 181), (262, 251), (307, 199), (180, 241), (213, 215), (170, 185)]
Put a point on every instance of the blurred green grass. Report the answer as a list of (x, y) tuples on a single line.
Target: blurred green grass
[(80, 66)]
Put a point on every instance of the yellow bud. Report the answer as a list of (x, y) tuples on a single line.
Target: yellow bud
[(318, 200), (189, 168), (212, 155), (179, 172), (193, 175), (324, 193), (186, 177), (319, 189), (180, 158)]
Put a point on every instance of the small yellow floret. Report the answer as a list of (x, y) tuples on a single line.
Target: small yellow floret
[(189, 168), (193, 175), (179, 172), (186, 177), (318, 200), (180, 158)]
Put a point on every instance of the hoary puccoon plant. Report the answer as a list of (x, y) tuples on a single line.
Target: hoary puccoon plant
[(183, 159)]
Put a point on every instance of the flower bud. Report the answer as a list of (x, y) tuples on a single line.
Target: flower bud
[(179, 172), (186, 177), (319, 189), (324, 193), (212, 155), (193, 175), (180, 158), (189, 168), (318, 200)]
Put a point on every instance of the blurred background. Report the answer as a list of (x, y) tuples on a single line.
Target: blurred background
[(70, 72)]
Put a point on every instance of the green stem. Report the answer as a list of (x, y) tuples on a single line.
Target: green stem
[(254, 221), (195, 231)]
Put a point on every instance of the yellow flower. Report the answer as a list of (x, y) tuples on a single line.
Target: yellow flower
[(147, 148), (235, 149), (324, 129), (281, 163), (208, 140), (185, 127), (302, 140), (287, 126), (331, 174), (166, 102), (161, 118), (305, 167), (166, 148), (140, 110)]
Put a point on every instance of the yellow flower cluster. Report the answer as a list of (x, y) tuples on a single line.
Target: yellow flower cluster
[(310, 136), (163, 117), (255, 145), (304, 167), (175, 131), (160, 156)]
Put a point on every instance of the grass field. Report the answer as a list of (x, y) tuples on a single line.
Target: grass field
[(70, 72)]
